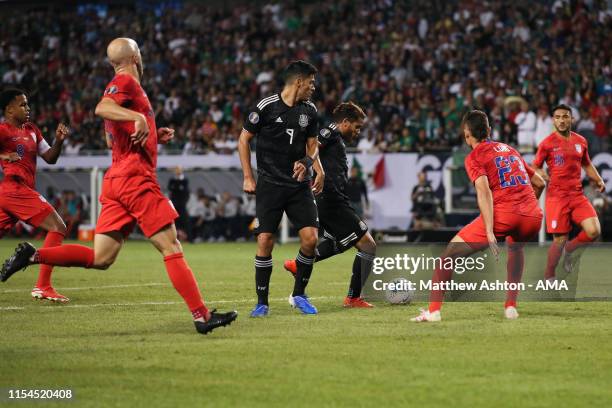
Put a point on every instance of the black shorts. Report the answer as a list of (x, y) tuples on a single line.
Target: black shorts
[(340, 221), (271, 200)]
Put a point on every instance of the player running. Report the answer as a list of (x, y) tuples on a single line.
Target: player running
[(342, 226), (565, 153), (130, 192), (20, 142), (508, 209), (286, 128)]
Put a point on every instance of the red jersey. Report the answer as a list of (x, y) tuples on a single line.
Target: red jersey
[(564, 158), (508, 175), (130, 159), (27, 142)]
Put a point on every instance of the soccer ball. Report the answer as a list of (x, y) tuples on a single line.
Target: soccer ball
[(398, 292)]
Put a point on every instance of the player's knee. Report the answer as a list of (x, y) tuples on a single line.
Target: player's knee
[(560, 239), (103, 262), (367, 244), (61, 228), (593, 231), (310, 241), (265, 242)]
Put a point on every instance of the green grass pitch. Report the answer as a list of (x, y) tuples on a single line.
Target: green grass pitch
[(126, 340)]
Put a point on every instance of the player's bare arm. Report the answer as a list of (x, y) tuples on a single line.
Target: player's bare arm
[(244, 151), (51, 155), (109, 109), (317, 186), (542, 173), (538, 184), (593, 174), (10, 157), (165, 135), (485, 203)]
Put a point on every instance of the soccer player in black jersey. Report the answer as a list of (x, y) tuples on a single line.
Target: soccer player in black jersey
[(286, 149), (342, 227)]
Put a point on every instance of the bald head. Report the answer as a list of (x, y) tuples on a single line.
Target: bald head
[(123, 53), (121, 49)]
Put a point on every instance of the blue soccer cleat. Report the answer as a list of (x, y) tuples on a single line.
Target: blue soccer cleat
[(260, 311), (302, 303)]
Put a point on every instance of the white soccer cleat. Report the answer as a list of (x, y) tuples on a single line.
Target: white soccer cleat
[(427, 316), (511, 313)]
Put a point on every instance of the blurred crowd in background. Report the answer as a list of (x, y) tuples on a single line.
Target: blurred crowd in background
[(415, 66)]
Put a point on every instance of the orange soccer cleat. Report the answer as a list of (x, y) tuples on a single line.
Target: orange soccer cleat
[(49, 294), (291, 266), (356, 302)]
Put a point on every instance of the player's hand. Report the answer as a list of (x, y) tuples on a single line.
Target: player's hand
[(601, 186), (10, 157), (62, 132), (299, 171), (493, 245), (249, 185), (317, 186), (165, 135), (141, 131)]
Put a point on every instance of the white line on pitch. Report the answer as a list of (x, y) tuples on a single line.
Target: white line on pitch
[(134, 285), (94, 305)]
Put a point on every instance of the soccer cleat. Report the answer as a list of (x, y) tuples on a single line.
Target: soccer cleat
[(302, 303), (357, 302), (568, 262), (216, 320), (511, 313), (260, 310), (291, 266), (427, 316), (49, 294), (18, 261)]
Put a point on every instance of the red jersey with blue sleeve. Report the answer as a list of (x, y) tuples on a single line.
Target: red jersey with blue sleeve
[(508, 175), (130, 159), (28, 143), (565, 158)]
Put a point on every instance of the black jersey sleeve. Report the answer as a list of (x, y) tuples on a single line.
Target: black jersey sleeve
[(325, 136), (252, 122)]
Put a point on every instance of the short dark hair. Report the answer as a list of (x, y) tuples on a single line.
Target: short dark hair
[(298, 68), (561, 106), (348, 110), (478, 123), (8, 95)]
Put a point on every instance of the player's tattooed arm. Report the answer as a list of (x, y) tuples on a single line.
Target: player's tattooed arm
[(244, 150), (52, 154), (485, 203), (110, 110), (593, 174)]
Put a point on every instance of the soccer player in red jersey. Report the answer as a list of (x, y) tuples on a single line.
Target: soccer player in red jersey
[(565, 154), (507, 191), (20, 143), (130, 192)]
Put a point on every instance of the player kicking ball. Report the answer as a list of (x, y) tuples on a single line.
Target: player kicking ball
[(565, 154), (130, 192), (507, 191), (343, 229), (286, 128), (20, 143)]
